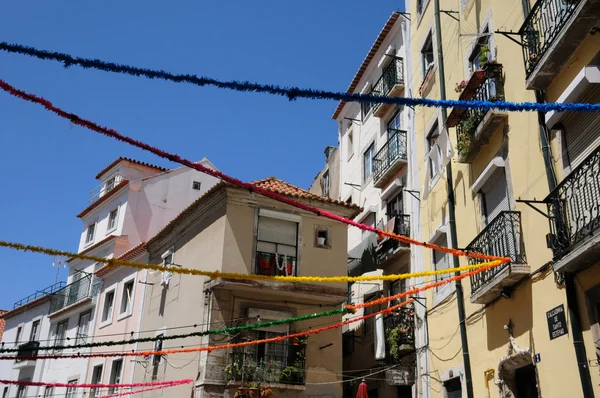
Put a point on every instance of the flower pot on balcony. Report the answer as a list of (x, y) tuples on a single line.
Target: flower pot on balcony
[(321, 241), (243, 391), (492, 68), (254, 392)]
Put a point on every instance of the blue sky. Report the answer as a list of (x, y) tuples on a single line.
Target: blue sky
[(48, 167)]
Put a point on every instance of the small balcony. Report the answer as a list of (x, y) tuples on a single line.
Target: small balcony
[(390, 84), (389, 249), (267, 364), (40, 293), (474, 127), (502, 237), (73, 293), (551, 34), (390, 159), (574, 214), (29, 349), (399, 329), (105, 187), (272, 264)]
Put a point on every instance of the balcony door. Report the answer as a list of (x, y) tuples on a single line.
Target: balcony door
[(394, 141), (494, 196)]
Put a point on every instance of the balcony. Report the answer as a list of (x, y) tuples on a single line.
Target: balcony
[(29, 349), (399, 329), (390, 84), (502, 237), (474, 127), (551, 34), (71, 294), (105, 187), (272, 264), (267, 364), (389, 249), (40, 293), (574, 213), (390, 159)]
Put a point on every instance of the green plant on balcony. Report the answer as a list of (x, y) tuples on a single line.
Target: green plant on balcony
[(484, 55), (468, 126), (402, 333)]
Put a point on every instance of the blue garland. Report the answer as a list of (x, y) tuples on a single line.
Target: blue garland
[(292, 93)]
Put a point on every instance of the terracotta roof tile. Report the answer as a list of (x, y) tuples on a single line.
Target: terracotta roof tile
[(272, 184), (363, 67), (103, 198), (113, 164)]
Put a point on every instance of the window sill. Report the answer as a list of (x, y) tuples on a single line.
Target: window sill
[(124, 315), (350, 157), (434, 181), (443, 293), (88, 244), (105, 323), (110, 231), (323, 247)]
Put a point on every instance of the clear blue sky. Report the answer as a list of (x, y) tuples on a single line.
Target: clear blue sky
[(47, 167)]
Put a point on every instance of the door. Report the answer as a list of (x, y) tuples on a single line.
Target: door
[(526, 382)]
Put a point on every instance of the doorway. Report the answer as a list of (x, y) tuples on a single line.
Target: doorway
[(525, 382)]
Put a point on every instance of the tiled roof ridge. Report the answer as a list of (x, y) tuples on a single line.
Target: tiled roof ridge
[(123, 158)]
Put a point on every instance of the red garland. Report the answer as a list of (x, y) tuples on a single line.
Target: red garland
[(154, 384), (234, 181)]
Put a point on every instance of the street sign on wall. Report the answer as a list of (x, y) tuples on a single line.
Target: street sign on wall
[(399, 377), (557, 322)]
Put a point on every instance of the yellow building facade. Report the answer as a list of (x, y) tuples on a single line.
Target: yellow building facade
[(519, 322)]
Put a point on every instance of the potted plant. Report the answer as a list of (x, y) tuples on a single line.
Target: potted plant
[(243, 391), (401, 336), (266, 263), (254, 389), (460, 86)]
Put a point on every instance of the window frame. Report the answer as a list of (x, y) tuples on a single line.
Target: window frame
[(194, 185), (370, 149), (326, 183), (156, 359), (434, 172), (60, 341), (263, 213), (319, 229), (78, 338), (35, 336), (349, 145), (128, 311), (109, 227), (369, 323), (109, 317), (94, 392), (71, 392), (426, 66), (441, 292), (19, 333), (89, 238), (113, 377)]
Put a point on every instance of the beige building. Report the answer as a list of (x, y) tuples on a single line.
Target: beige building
[(521, 326), (231, 230), (327, 181)]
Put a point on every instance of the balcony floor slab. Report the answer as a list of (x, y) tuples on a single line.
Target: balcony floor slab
[(486, 128), (505, 278), (396, 91), (584, 254), (391, 173)]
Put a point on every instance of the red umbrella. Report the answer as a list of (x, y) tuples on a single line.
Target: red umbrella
[(363, 391)]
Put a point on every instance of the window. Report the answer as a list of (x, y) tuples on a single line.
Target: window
[(21, 391), (107, 309), (112, 219), (167, 258), (397, 287), (196, 185), (347, 344), (435, 159), (96, 379), (440, 259), (158, 346), (322, 237), (127, 298), (421, 6), (110, 184), (49, 392), (394, 206), (35, 331), (427, 60), (350, 145), (5, 393), (19, 333), (61, 333), (115, 374), (369, 162), (71, 390), (453, 388), (349, 200), (395, 123), (494, 196), (370, 322), (480, 52), (83, 327), (369, 220), (89, 237), (326, 184), (276, 246)]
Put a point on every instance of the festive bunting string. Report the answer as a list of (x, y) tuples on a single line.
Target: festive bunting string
[(162, 384), (113, 262), (234, 181), (277, 339), (230, 330), (292, 93), (270, 340), (125, 393)]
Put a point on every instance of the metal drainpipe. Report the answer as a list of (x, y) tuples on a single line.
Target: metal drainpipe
[(572, 303), (451, 216)]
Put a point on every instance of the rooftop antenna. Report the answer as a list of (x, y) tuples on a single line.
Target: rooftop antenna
[(58, 262)]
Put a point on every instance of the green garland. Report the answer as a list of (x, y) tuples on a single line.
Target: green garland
[(234, 329)]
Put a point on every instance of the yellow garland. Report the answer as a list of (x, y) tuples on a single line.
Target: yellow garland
[(114, 262)]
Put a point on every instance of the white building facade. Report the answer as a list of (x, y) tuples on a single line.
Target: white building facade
[(378, 172), (133, 201)]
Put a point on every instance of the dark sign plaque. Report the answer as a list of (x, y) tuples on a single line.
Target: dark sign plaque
[(557, 322)]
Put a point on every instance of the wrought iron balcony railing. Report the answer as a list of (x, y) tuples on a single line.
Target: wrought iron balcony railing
[(399, 329), (392, 75), (40, 293), (501, 237), (542, 27), (386, 247), (105, 187), (574, 206), (392, 151), (491, 88), (29, 349), (71, 294), (282, 362), (272, 264)]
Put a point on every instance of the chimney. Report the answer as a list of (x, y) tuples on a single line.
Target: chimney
[(329, 150)]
